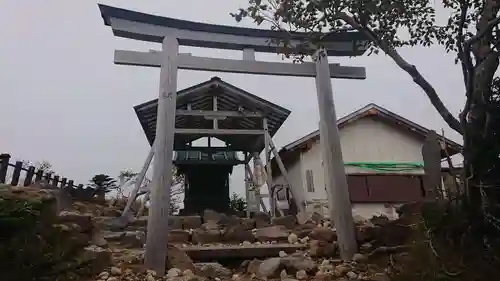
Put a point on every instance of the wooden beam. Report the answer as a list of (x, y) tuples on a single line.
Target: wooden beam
[(281, 166), (156, 243), (269, 178), (215, 121), (140, 178), (306, 69), (208, 149), (216, 132), (335, 178), (218, 113)]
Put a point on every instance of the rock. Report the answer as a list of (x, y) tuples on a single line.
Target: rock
[(247, 224), (176, 258), (269, 267), (253, 266), (293, 238), (306, 217), (210, 215), (84, 221), (359, 257), (104, 275), (366, 247), (178, 236), (212, 269), (206, 236), (297, 263), (341, 270), (231, 220), (261, 219), (191, 222), (272, 233), (188, 273), (321, 248), (98, 239), (283, 274), (380, 277), (301, 275), (112, 278), (95, 259), (287, 221), (115, 271), (237, 234), (380, 220), (130, 239), (359, 220), (282, 254), (304, 230), (323, 234), (366, 233), (173, 272), (351, 275)]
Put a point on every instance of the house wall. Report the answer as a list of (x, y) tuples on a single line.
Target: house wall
[(365, 140), (295, 177)]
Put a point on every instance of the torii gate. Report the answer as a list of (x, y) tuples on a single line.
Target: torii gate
[(172, 33)]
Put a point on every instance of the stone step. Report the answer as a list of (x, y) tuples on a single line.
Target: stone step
[(203, 253)]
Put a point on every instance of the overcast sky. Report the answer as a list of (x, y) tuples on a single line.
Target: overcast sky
[(63, 100)]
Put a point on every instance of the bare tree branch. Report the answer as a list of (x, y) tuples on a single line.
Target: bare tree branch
[(408, 68)]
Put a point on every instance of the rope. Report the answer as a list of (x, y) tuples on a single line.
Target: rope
[(387, 166)]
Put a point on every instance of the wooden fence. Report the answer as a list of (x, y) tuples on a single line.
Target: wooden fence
[(31, 175)]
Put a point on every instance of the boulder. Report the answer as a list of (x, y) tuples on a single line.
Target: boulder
[(261, 219), (130, 239), (237, 234), (269, 268), (84, 221), (323, 234), (322, 249), (296, 263), (191, 222), (212, 270), (248, 224), (367, 232), (272, 233), (206, 236), (305, 217), (252, 267), (304, 230), (178, 236), (287, 221), (95, 259), (176, 258)]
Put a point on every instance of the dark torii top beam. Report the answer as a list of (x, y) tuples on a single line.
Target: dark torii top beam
[(146, 27)]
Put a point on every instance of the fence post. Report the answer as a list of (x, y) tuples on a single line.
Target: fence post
[(4, 164), (39, 175), (63, 182), (47, 177), (17, 173), (29, 176), (56, 181)]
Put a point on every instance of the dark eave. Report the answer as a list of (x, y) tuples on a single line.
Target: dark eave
[(200, 97)]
